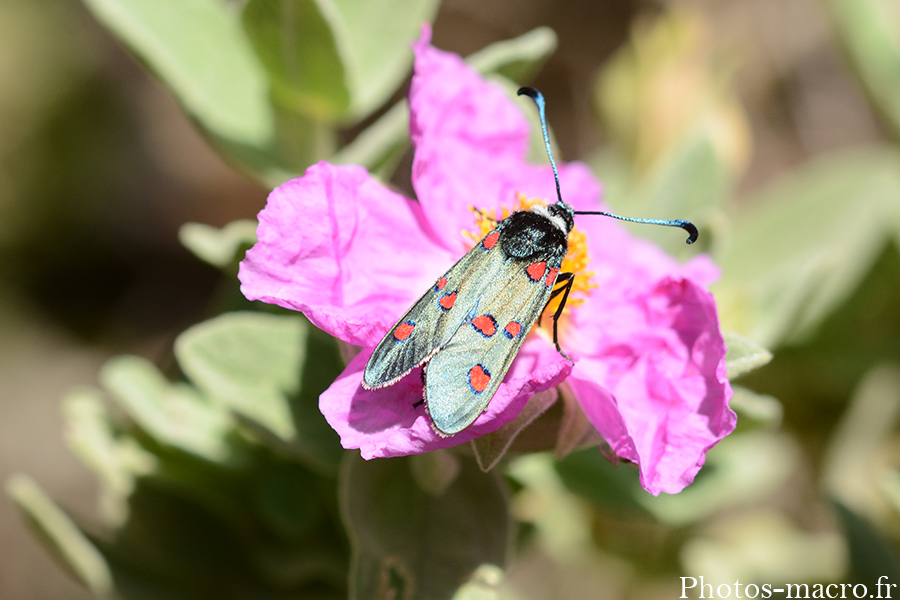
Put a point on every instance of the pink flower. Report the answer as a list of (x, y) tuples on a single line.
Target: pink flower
[(352, 255)]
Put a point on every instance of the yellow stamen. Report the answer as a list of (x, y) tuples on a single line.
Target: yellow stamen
[(575, 261)]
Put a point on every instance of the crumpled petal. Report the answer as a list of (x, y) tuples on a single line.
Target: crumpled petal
[(664, 363), (328, 247), (384, 422), (471, 141)]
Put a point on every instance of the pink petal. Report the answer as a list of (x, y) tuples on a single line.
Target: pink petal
[(470, 143), (665, 366), (343, 249), (385, 422), (603, 412)]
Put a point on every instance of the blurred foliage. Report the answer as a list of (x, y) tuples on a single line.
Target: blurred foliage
[(221, 479)]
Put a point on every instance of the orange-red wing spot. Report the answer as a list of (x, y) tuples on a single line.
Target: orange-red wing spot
[(404, 330), (512, 329), (491, 240), (479, 378), (486, 325), (536, 270), (447, 301), (441, 283), (551, 277)]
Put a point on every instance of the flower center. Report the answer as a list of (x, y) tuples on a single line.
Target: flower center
[(575, 261)]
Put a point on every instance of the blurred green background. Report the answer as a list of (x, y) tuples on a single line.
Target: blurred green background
[(773, 124)]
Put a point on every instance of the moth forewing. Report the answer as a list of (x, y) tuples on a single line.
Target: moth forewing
[(434, 318)]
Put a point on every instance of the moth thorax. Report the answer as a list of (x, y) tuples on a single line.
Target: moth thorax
[(559, 214)]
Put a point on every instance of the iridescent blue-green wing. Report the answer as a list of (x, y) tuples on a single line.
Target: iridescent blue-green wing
[(463, 376), (434, 318)]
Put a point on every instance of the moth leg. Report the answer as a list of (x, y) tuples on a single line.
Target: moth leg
[(569, 279), (562, 278), (483, 213), (422, 401)]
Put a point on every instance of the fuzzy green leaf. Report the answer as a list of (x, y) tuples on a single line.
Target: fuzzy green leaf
[(335, 59), (871, 556), (61, 535), (251, 362), (116, 459), (807, 241), (380, 145), (756, 410), (218, 247), (743, 355), (518, 59), (410, 543), (869, 31), (491, 447), (174, 415), (198, 49), (256, 365)]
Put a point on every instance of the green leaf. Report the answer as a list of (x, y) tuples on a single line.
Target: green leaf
[(807, 241), (295, 42), (256, 365), (870, 35), (871, 557), (409, 543), (491, 447), (174, 415), (435, 471), (61, 535), (374, 38), (117, 460), (375, 146), (379, 146), (743, 355), (756, 410), (739, 471), (518, 59), (219, 247), (198, 49), (201, 53), (592, 476), (852, 471), (336, 59), (250, 362)]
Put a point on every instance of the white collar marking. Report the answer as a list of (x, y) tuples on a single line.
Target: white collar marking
[(555, 219)]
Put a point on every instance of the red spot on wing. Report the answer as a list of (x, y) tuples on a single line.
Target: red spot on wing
[(441, 283), (447, 301), (404, 330), (551, 277), (485, 324), (491, 240), (479, 378), (536, 270), (512, 329)]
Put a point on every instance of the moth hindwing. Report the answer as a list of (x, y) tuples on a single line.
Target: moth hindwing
[(499, 288)]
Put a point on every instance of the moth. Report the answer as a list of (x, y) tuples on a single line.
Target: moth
[(468, 327)]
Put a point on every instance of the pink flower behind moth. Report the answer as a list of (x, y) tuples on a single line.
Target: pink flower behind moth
[(352, 255)]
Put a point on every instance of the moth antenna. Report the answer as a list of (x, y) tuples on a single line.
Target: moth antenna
[(539, 100), (686, 225)]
